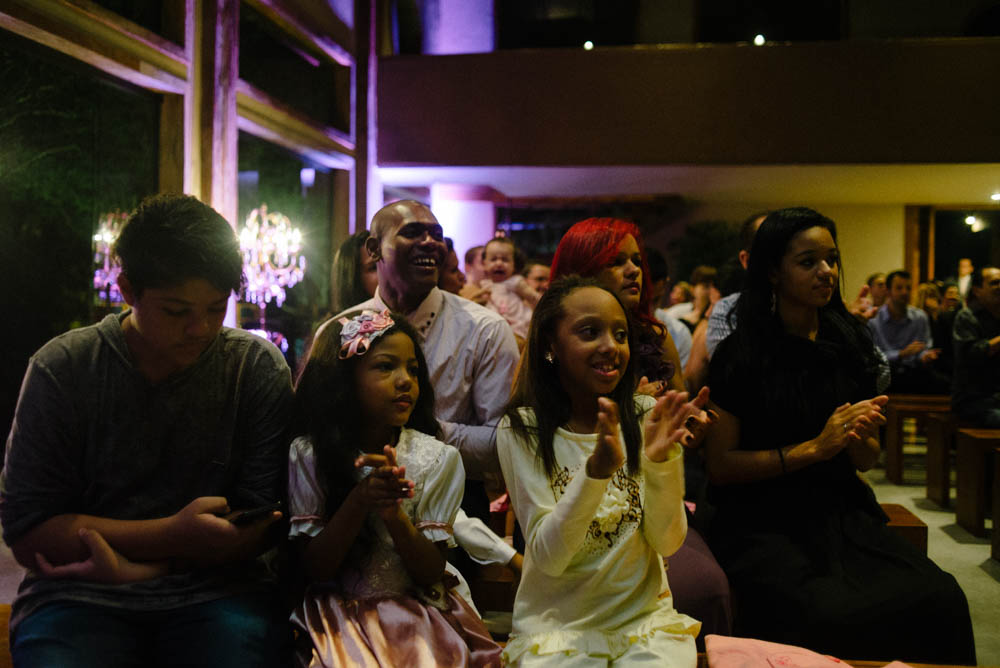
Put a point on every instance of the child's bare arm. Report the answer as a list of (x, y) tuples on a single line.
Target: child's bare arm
[(381, 491), (424, 560), (527, 293)]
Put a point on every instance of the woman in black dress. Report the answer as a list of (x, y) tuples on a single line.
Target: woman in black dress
[(799, 533)]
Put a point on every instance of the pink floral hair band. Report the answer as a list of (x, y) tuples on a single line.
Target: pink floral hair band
[(357, 333)]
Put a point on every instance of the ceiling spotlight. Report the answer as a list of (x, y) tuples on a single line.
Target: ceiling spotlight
[(588, 45), (995, 197), (759, 40), (970, 220)]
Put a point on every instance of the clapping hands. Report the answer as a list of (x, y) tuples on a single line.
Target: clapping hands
[(674, 419), (851, 423), (384, 489)]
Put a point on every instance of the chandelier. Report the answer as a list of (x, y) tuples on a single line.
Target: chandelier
[(105, 271), (272, 259)]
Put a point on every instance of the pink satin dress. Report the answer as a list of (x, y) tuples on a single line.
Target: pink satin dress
[(374, 615)]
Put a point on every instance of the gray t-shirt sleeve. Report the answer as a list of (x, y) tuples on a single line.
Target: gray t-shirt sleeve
[(41, 476), (265, 418)]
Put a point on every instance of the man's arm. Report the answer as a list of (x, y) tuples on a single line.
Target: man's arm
[(891, 354), (195, 534), (496, 359), (969, 338)]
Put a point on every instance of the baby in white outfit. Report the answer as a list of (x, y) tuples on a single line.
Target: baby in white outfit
[(510, 294)]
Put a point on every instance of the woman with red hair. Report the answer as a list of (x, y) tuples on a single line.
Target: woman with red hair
[(611, 250)]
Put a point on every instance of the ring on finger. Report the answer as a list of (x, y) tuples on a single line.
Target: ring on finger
[(846, 426)]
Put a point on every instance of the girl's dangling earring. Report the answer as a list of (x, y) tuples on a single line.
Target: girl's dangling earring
[(550, 358)]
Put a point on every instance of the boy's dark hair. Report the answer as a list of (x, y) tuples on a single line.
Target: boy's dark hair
[(170, 239), (537, 386), (327, 409), (898, 273)]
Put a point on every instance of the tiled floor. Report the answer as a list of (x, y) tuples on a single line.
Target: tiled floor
[(951, 547)]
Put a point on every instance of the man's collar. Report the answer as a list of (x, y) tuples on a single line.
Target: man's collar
[(906, 313), (425, 314)]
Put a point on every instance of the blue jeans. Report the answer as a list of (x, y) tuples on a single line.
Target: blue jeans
[(246, 630)]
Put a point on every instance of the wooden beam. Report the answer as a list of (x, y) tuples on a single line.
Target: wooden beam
[(266, 110), (264, 130), (216, 67), (111, 60), (91, 25), (287, 18), (171, 154)]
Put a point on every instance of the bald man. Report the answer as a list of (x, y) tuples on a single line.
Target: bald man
[(471, 353), (471, 357)]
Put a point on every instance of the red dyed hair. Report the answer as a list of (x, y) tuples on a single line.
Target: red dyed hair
[(591, 246)]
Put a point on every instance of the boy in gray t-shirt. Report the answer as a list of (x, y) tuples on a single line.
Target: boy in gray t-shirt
[(133, 442)]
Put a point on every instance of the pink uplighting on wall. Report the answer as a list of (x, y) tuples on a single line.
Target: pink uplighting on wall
[(466, 212)]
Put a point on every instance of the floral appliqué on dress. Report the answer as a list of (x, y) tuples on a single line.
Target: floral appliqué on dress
[(619, 512)]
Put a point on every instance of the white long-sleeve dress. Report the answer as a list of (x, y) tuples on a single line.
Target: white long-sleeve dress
[(593, 583)]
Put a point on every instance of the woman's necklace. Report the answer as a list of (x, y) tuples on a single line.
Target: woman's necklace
[(575, 427)]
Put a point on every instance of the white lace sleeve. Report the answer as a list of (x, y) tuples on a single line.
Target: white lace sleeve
[(443, 486), (306, 499)]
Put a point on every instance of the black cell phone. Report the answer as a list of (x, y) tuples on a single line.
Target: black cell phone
[(246, 517)]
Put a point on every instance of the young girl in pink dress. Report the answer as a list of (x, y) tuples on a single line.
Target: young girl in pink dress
[(373, 495)]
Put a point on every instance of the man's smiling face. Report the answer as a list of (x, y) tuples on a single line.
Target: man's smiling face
[(412, 251)]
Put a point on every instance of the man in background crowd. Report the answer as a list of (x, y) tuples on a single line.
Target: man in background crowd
[(976, 389), (903, 333), (536, 273), (964, 282), (877, 289)]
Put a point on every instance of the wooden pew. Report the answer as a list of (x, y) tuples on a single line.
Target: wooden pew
[(907, 525), (5, 660), (941, 430), (902, 406), (975, 447)]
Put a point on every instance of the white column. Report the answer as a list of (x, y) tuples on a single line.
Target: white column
[(466, 212)]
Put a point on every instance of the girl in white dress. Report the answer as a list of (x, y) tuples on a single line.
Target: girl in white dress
[(596, 479), (373, 497)]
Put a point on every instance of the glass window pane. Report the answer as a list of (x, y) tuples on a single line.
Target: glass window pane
[(165, 19), (74, 147), (289, 185), (292, 73)]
